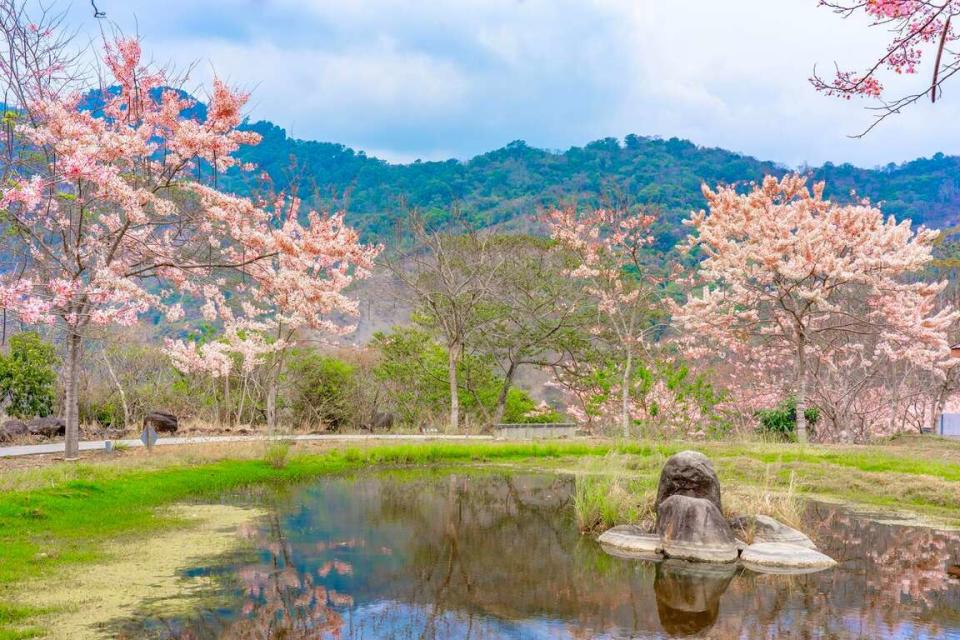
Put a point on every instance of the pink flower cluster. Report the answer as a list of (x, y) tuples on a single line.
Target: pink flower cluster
[(115, 222), (915, 24)]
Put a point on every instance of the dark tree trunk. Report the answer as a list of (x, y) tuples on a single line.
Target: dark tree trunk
[(504, 390), (72, 399)]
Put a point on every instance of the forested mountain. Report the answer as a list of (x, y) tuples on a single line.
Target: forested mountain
[(506, 185)]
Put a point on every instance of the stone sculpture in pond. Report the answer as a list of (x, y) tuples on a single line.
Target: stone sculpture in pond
[(691, 526)]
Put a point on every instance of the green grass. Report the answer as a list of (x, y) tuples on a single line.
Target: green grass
[(61, 515), (601, 502), (13, 622)]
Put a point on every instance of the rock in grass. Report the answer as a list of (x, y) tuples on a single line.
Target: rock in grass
[(48, 427), (694, 529), (767, 529), (778, 555), (631, 539), (161, 421), (13, 429), (689, 473)]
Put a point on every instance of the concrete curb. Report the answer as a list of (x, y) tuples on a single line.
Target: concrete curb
[(98, 445)]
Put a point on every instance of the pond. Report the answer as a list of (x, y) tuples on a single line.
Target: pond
[(479, 555)]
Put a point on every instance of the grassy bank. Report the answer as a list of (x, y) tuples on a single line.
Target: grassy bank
[(61, 515), (920, 476)]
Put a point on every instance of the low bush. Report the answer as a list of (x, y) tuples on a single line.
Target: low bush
[(277, 453), (781, 421), (28, 376)]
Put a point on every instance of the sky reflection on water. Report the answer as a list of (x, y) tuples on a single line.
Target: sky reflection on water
[(439, 555)]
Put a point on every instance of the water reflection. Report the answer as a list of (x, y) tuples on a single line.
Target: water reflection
[(688, 595), (491, 556)]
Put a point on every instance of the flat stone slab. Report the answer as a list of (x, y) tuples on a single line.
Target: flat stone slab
[(617, 552), (631, 538), (701, 552), (779, 555), (767, 529)]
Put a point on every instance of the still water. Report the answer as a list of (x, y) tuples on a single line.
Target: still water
[(453, 555)]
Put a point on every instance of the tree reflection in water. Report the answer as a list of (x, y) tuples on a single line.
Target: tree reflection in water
[(437, 556)]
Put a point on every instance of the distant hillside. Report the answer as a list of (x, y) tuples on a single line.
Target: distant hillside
[(506, 185)]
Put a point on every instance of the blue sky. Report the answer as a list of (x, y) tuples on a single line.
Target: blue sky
[(434, 80)]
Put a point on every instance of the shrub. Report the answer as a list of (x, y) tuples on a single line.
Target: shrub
[(413, 371), (520, 407), (277, 452), (108, 413), (319, 390), (781, 421), (28, 376)]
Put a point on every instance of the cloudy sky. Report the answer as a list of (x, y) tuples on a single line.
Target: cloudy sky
[(434, 80)]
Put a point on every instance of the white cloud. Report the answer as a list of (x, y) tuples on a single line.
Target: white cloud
[(420, 79)]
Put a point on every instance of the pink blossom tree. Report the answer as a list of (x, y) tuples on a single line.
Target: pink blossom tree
[(796, 288), (609, 245), (299, 285), (113, 222), (918, 28)]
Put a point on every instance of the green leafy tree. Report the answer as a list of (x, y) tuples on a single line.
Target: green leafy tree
[(449, 279), (413, 371), (533, 312), (28, 376)]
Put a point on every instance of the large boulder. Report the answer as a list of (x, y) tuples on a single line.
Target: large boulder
[(380, 421), (48, 427), (12, 429), (694, 529), (767, 529), (778, 556), (161, 422), (689, 473), (688, 596)]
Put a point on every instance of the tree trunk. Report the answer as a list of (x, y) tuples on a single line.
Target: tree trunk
[(272, 402), (937, 409), (243, 398), (452, 357), (273, 381), (504, 390), (123, 395), (226, 414), (935, 412), (801, 392), (72, 399), (625, 395)]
